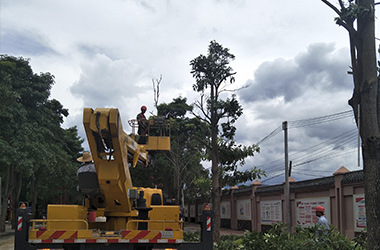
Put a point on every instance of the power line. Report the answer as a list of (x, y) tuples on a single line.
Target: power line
[(323, 150), (345, 140), (319, 120), (308, 122), (271, 134)]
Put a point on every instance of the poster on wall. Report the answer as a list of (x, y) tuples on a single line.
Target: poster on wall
[(200, 208), (192, 211), (243, 208), (305, 210), (270, 211), (185, 211), (225, 210), (360, 218)]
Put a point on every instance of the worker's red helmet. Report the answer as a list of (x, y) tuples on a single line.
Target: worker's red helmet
[(320, 209), (143, 108)]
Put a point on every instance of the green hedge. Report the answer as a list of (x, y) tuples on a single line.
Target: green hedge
[(278, 238)]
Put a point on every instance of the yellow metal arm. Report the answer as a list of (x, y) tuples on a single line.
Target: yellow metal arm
[(112, 151)]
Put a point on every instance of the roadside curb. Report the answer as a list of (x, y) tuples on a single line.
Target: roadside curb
[(193, 227), (8, 231)]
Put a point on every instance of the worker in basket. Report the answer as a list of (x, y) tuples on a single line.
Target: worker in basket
[(143, 125)]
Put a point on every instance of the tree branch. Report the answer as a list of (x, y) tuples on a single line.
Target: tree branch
[(349, 28), (156, 82), (341, 4), (202, 142), (234, 90), (332, 7), (200, 106)]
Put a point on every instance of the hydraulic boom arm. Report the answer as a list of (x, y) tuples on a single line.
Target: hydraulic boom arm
[(112, 151)]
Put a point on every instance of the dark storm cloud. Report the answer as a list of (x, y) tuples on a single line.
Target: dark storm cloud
[(321, 67)]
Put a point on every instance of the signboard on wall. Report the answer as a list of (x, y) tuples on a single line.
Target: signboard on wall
[(305, 210), (192, 211), (270, 211), (185, 211), (200, 208), (243, 208), (360, 218), (225, 210)]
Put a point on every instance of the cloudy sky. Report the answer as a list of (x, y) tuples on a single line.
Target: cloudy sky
[(291, 53)]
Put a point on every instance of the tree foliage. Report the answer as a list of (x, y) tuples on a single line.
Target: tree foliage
[(186, 151), (176, 170), (37, 154), (213, 74)]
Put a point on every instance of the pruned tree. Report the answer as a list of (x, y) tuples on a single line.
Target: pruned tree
[(358, 18), (213, 73)]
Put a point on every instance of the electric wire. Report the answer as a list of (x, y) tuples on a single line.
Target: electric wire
[(319, 120), (270, 135), (308, 122), (325, 150)]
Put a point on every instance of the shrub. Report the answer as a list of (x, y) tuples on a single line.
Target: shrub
[(192, 236), (278, 238)]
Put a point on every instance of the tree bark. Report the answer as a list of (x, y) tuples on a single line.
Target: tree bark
[(17, 184), (176, 183), (366, 93), (34, 193), (7, 191), (216, 190)]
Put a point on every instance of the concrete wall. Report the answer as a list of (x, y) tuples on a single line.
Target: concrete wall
[(256, 207)]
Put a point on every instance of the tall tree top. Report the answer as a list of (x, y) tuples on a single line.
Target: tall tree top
[(213, 69)]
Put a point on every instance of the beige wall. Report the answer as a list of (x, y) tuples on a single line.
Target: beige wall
[(338, 189)]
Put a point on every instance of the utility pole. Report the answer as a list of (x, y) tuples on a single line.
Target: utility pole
[(287, 195)]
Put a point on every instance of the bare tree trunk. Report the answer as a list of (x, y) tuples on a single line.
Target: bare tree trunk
[(176, 183), (34, 193), (370, 133), (366, 95), (216, 190), (7, 191), (16, 196)]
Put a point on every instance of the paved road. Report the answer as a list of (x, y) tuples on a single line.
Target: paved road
[(191, 227), (7, 243), (7, 239)]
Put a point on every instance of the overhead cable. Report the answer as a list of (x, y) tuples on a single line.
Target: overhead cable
[(319, 120), (308, 122), (323, 150), (273, 133)]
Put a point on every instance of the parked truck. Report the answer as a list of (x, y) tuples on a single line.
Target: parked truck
[(115, 214)]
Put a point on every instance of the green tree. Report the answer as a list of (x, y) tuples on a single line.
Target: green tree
[(186, 152), (18, 125), (213, 73), (34, 146), (231, 156), (358, 18)]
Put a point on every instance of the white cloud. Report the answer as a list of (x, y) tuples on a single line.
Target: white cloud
[(106, 53)]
